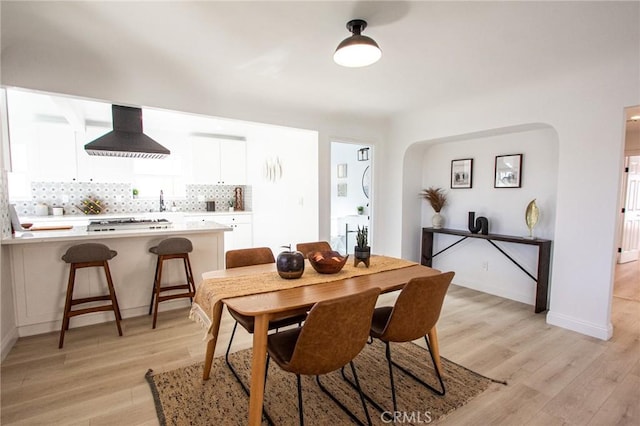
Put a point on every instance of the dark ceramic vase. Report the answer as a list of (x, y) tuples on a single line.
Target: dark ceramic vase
[(290, 264), (361, 254)]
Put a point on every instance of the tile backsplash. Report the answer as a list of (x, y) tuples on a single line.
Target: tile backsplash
[(118, 198)]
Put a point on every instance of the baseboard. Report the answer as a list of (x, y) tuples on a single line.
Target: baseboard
[(8, 341), (580, 326)]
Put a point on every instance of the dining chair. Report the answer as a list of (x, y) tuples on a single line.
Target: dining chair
[(414, 314), (248, 257), (333, 334), (305, 248)]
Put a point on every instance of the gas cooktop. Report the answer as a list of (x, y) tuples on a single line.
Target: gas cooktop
[(127, 223)]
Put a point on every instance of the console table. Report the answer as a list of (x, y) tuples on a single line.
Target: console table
[(544, 256)]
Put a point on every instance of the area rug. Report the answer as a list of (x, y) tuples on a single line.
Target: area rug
[(183, 398)]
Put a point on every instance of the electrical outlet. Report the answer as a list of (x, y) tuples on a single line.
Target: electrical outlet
[(201, 198), (65, 198), (485, 266)]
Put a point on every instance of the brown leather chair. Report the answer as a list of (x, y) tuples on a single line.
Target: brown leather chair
[(414, 315), (85, 256), (305, 248), (248, 257), (333, 334)]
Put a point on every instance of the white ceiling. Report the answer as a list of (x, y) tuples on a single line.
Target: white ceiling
[(267, 52)]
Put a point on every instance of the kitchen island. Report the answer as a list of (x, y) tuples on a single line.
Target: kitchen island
[(40, 276)]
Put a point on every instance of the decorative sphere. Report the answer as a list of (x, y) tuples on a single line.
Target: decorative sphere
[(290, 264)]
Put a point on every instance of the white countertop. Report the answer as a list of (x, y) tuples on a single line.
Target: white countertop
[(80, 233)]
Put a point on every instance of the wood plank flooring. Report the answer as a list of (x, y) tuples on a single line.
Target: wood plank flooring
[(556, 377)]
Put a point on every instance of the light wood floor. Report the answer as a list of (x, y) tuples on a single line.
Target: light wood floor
[(556, 377)]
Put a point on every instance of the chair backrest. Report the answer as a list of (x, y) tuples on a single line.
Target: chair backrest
[(248, 257), (417, 308), (305, 248), (334, 332)]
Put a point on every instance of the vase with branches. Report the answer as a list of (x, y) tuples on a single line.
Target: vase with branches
[(437, 198)]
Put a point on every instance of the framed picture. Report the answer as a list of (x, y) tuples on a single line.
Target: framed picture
[(342, 170), (462, 173), (342, 190), (508, 171)]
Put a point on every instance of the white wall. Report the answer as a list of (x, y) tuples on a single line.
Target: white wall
[(586, 110), (504, 207), (285, 211)]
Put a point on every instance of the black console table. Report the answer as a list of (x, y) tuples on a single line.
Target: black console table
[(544, 256)]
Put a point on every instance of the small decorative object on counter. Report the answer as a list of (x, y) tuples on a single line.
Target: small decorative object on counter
[(90, 206), (42, 209), (481, 224), (437, 199), (135, 193), (362, 251), (231, 207), (531, 216), (360, 210), (239, 198), (290, 264)]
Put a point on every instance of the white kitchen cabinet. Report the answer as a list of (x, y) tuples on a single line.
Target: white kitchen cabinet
[(219, 161), (51, 152), (242, 225)]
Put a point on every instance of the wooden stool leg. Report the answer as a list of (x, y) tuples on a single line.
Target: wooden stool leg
[(112, 294), (153, 288), (67, 304), (157, 290), (189, 272)]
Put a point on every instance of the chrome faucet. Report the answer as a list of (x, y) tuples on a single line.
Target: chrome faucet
[(162, 207)]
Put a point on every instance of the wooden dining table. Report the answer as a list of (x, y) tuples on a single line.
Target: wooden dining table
[(272, 305)]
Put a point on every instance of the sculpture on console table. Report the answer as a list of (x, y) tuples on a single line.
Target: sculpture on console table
[(481, 224)]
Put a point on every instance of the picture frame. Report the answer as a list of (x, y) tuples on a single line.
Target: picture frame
[(462, 173), (342, 170), (508, 171)]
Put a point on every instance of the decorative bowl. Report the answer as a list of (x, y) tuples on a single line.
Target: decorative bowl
[(26, 225), (327, 262)]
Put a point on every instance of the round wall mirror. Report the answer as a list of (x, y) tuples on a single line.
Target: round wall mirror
[(366, 180)]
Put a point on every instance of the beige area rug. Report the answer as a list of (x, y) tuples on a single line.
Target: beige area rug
[(183, 398)]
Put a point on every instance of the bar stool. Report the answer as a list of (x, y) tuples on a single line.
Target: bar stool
[(85, 256), (171, 248)]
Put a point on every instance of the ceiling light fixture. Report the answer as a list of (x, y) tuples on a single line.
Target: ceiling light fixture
[(357, 50)]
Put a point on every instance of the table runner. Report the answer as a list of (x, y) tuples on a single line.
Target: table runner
[(207, 303)]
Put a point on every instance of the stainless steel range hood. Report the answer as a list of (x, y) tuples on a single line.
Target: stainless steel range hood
[(126, 139)]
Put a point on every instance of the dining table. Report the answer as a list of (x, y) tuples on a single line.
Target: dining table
[(259, 292)]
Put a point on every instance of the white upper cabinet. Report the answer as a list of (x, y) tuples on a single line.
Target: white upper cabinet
[(219, 161)]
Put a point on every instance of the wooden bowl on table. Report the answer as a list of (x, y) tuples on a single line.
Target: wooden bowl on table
[(327, 262)]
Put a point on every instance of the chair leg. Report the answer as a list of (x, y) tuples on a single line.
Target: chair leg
[(410, 374), (153, 287), (189, 273), (114, 299), (228, 361), (393, 386), (300, 412), (67, 305), (356, 386), (157, 292)]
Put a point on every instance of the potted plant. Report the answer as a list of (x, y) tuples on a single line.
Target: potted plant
[(438, 199), (135, 193), (360, 209), (362, 251)]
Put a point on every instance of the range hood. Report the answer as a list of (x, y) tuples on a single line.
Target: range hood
[(126, 139)]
